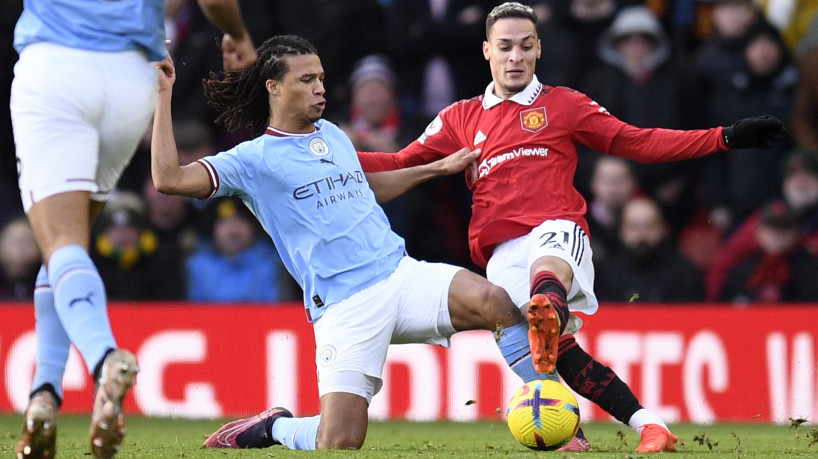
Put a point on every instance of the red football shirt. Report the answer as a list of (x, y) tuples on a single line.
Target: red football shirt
[(529, 157)]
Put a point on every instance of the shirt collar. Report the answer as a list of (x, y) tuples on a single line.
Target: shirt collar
[(279, 133), (524, 97)]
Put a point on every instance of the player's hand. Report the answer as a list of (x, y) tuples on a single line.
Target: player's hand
[(758, 132), (167, 74), (237, 54), (457, 161)]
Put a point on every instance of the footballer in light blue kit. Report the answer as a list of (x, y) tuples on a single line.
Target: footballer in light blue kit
[(81, 100), (302, 179), (82, 97), (310, 194)]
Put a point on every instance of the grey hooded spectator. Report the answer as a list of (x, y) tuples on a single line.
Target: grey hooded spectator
[(638, 83), (635, 43)]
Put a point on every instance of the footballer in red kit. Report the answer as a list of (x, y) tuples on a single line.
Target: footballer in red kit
[(528, 225), (531, 138)]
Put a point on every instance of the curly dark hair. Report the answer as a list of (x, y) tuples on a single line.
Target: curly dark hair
[(241, 97)]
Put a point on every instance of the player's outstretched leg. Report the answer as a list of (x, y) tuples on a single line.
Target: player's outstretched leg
[(107, 420), (39, 436), (252, 432), (599, 384), (543, 333), (656, 439)]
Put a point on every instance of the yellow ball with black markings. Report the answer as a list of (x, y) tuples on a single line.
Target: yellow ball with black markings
[(543, 415)]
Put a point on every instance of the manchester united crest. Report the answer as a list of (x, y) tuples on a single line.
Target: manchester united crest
[(533, 120)]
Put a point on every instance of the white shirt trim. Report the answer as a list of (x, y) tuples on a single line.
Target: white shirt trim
[(524, 97), (212, 174), (279, 133)]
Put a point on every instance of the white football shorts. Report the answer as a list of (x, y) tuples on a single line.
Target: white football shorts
[(352, 336), (78, 117), (510, 265)]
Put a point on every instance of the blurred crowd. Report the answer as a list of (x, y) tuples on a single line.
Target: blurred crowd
[(738, 227)]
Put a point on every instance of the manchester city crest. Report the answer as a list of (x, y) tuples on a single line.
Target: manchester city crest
[(327, 354), (319, 147)]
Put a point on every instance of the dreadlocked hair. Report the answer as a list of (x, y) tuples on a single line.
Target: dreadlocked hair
[(241, 97)]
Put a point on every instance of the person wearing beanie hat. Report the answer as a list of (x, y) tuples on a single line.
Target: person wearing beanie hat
[(125, 249), (376, 121), (374, 112)]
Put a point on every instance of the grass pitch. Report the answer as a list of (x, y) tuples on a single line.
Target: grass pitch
[(177, 438)]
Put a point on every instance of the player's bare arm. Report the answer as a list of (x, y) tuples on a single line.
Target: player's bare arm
[(388, 185), (168, 176)]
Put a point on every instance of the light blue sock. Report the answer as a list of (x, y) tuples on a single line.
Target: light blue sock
[(296, 433), (79, 297), (513, 344), (53, 344)]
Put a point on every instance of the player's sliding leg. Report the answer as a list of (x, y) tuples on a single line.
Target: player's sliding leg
[(252, 432), (599, 384), (342, 425), (514, 346), (475, 304), (276, 426), (39, 433)]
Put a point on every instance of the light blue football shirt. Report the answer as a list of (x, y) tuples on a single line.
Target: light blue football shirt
[(98, 25), (310, 194)]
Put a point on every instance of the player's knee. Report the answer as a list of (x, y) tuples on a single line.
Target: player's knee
[(347, 432), (348, 439), (497, 307)]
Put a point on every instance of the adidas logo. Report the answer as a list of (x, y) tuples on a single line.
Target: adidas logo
[(479, 138)]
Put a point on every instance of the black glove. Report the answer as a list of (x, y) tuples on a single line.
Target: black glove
[(759, 132)]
